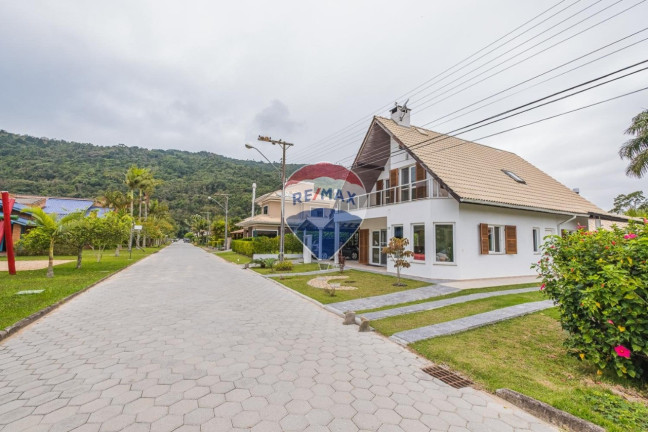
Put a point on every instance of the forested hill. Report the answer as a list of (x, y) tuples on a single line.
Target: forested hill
[(41, 166)]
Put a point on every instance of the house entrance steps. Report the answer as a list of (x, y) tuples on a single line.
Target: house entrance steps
[(470, 322)]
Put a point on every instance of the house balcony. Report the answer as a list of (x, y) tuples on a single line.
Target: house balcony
[(416, 191)]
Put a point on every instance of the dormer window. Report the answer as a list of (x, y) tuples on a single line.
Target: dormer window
[(265, 210), (514, 176)]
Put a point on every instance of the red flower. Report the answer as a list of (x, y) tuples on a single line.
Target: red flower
[(613, 243), (542, 287), (622, 351), (630, 236), (610, 322)]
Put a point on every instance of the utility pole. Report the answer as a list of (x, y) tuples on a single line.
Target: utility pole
[(284, 145), (253, 197), (225, 207)]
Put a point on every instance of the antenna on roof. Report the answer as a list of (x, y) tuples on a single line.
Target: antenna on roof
[(404, 110)]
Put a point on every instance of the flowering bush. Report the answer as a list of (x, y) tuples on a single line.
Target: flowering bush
[(600, 281)]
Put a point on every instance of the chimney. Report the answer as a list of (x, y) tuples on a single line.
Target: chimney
[(401, 114), (577, 190)]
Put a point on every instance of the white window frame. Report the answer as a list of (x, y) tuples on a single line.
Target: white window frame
[(454, 242), (537, 241), (423, 261), (501, 240), (411, 169)]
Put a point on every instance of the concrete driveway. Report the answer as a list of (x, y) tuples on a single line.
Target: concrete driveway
[(183, 341)]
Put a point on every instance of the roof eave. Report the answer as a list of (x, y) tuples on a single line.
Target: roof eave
[(521, 207)]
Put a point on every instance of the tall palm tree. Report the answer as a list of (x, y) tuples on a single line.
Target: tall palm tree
[(132, 181), (636, 149), (147, 186), (52, 227)]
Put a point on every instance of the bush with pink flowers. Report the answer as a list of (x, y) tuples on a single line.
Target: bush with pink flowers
[(599, 279)]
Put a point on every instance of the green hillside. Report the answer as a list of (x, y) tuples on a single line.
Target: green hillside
[(41, 166)]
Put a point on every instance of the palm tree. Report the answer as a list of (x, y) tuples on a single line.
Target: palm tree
[(52, 228), (636, 149), (133, 180), (147, 186)]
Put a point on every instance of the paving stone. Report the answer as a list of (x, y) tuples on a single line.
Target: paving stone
[(184, 342)]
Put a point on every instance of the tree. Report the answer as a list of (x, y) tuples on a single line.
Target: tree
[(114, 199), (50, 228), (109, 230), (78, 232), (398, 254), (636, 149)]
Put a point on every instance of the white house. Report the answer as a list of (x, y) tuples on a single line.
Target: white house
[(469, 210)]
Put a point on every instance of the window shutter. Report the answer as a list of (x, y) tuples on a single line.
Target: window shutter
[(483, 238), (393, 183), (379, 185), (510, 232), (421, 188)]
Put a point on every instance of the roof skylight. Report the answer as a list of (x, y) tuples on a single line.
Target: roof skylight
[(514, 176)]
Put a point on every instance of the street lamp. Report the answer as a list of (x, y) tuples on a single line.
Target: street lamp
[(226, 206), (284, 145)]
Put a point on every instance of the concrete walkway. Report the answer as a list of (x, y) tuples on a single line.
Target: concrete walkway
[(184, 342), (420, 307), (391, 299), (468, 323)]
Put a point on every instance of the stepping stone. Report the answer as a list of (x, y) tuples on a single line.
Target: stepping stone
[(468, 323), (29, 292), (420, 307)]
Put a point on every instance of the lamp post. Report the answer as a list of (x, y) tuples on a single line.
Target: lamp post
[(284, 145), (226, 206)]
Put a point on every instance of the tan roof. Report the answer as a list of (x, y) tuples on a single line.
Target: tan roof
[(259, 220), (473, 172)]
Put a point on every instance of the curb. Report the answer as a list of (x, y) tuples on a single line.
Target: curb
[(547, 412), (8, 331)]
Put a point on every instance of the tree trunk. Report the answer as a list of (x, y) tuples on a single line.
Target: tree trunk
[(117, 250), (146, 205), (130, 237), (79, 257), (50, 266)]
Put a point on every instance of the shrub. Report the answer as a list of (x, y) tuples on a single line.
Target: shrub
[(600, 281), (283, 266), (264, 245), (264, 263), (243, 247)]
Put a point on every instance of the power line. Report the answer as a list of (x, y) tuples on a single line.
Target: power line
[(379, 153), (453, 66), (345, 141)]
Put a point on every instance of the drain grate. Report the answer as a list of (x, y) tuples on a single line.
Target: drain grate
[(450, 378)]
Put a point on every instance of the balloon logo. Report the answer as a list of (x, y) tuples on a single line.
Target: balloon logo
[(322, 207)]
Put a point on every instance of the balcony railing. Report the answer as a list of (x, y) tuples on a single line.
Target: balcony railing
[(423, 189)]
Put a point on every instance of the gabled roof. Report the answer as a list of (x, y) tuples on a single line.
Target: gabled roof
[(260, 219), (64, 206), (475, 173)]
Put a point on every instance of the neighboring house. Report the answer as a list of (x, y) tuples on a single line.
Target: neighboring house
[(268, 221), (469, 210), (59, 206)]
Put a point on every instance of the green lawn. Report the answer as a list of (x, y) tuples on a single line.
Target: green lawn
[(368, 284), (389, 326), (297, 268), (234, 257), (67, 280), (456, 294), (526, 354)]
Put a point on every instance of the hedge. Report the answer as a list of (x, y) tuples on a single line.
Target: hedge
[(599, 279), (266, 245)]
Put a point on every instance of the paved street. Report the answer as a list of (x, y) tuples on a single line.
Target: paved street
[(183, 341)]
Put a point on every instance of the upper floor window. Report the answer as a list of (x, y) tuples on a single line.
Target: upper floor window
[(407, 177), (265, 210)]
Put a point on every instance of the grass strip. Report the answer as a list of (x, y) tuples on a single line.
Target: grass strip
[(297, 268), (453, 295), (367, 284), (526, 354), (66, 281), (391, 325), (234, 257)]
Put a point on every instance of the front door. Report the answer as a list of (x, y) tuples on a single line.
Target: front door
[(378, 242)]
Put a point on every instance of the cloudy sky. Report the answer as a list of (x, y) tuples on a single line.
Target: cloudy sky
[(212, 75)]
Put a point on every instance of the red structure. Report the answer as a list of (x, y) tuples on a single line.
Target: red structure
[(7, 206)]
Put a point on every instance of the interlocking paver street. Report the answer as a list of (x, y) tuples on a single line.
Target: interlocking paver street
[(183, 341)]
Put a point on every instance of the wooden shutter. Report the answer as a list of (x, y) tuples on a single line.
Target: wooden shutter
[(363, 246), (483, 238), (380, 199), (510, 233), (393, 183), (421, 186)]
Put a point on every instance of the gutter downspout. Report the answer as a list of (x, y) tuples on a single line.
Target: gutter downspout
[(564, 222)]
